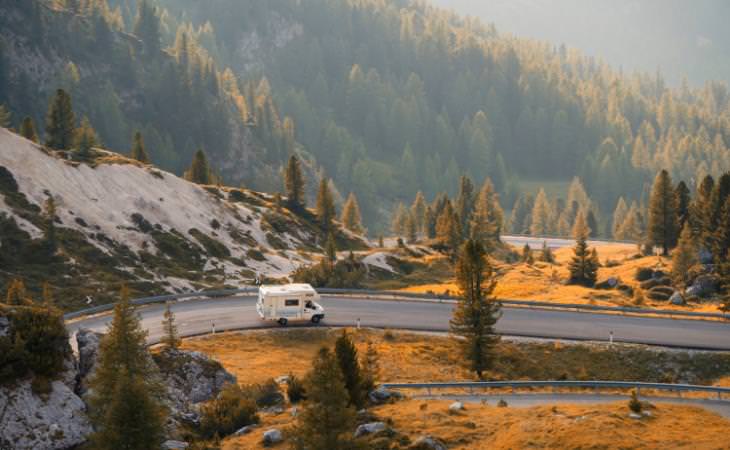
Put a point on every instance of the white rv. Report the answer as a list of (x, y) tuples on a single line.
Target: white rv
[(283, 303)]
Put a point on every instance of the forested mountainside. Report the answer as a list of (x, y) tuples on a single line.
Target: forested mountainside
[(385, 97), (87, 226)]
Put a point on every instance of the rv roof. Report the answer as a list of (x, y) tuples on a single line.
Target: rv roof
[(287, 289)]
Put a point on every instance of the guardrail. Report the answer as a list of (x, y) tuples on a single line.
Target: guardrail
[(566, 238), (471, 386), (404, 295)]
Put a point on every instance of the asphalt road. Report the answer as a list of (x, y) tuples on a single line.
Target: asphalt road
[(201, 316), (536, 242)]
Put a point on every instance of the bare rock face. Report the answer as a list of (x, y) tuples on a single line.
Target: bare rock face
[(42, 422), (87, 342)]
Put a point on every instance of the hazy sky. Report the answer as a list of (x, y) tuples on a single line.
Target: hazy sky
[(680, 37)]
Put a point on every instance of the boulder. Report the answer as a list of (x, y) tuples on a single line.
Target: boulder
[(660, 293), (704, 285), (246, 430), (635, 416), (382, 395), (54, 421), (369, 428), (456, 407), (272, 436), (4, 326), (87, 342), (174, 445), (428, 443), (677, 299), (655, 282)]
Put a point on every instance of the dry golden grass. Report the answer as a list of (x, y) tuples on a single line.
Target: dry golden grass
[(600, 426), (543, 282)]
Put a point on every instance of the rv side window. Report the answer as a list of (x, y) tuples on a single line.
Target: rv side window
[(291, 302)]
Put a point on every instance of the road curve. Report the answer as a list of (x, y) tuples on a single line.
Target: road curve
[(196, 317)]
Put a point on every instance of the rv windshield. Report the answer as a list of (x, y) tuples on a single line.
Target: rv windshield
[(309, 304)]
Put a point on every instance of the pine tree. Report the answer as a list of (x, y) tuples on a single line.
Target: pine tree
[(721, 236), (27, 129), (619, 215), (477, 311), (699, 217), (724, 272), (325, 206), (330, 249), (381, 244), (199, 171), (294, 184), (171, 338), (584, 266), (527, 255), (546, 255), (486, 223), (350, 366), (351, 218), (662, 230), (60, 122), (592, 224), (4, 117), (430, 223), (85, 138), (327, 420), (147, 28), (465, 204), (580, 228), (124, 403), (541, 215), (448, 231), (681, 193), (50, 216), (683, 257), (16, 295), (138, 151), (411, 228), (398, 221)]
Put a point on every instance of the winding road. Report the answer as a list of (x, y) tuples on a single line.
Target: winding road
[(196, 317)]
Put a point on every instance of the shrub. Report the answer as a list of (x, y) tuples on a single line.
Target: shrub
[(267, 394), (295, 389), (231, 411), (502, 403), (634, 404)]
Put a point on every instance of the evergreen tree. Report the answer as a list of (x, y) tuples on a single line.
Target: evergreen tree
[(27, 129), (330, 249), (546, 254), (486, 223), (580, 228), (171, 338), (541, 215), (724, 272), (683, 257), (4, 117), (381, 244), (85, 138), (124, 402), (662, 230), (592, 224), (147, 28), (619, 215), (16, 295), (700, 206), (327, 420), (476, 312), (325, 206), (430, 223), (527, 255), (448, 231), (138, 151), (370, 368), (351, 218), (398, 222), (465, 204), (584, 266), (721, 236), (294, 183), (199, 171), (60, 122), (681, 193), (411, 228), (350, 366), (47, 295)]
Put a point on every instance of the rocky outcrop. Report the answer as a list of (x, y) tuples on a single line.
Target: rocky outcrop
[(383, 395), (369, 428), (31, 421), (272, 437), (87, 342), (428, 443)]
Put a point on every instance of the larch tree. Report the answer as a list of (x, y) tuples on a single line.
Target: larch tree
[(592, 224), (294, 184), (684, 257), (699, 217), (330, 249), (411, 227), (370, 365), (139, 152), (541, 215), (448, 230), (577, 194), (663, 225), (60, 122), (465, 204), (27, 129), (4, 117), (171, 337), (327, 420), (199, 171), (486, 223), (418, 209), (351, 218), (580, 228), (325, 206), (619, 215), (476, 311), (16, 294), (47, 295), (398, 220), (349, 363), (724, 272), (147, 28), (125, 398), (85, 138)]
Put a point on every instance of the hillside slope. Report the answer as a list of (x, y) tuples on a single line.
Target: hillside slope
[(119, 221)]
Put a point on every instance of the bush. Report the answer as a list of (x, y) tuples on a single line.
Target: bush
[(295, 389), (634, 404), (231, 411), (267, 394)]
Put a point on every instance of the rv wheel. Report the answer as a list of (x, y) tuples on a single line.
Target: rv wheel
[(316, 319), (282, 322)]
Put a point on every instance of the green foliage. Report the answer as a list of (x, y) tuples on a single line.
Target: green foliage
[(663, 224), (36, 343), (583, 267), (351, 218), (85, 138), (546, 254), (199, 171), (350, 366), (230, 411), (138, 151), (27, 129), (370, 368), (4, 117), (294, 184), (295, 389), (325, 206), (635, 405), (327, 421), (346, 273), (171, 338), (684, 257), (527, 257), (125, 401), (476, 312), (60, 122)]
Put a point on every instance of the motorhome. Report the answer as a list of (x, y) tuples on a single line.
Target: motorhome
[(286, 302)]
